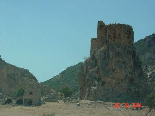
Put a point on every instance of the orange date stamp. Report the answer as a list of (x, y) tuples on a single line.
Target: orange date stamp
[(126, 105)]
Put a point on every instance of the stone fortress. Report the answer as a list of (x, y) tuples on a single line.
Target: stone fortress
[(112, 34), (113, 71)]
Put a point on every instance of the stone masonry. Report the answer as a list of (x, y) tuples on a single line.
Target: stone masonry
[(32, 93), (112, 34)]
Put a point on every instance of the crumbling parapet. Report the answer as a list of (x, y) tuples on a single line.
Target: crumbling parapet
[(94, 44), (100, 29)]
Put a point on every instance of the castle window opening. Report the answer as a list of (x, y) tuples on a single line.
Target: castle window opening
[(106, 42), (31, 93), (29, 102)]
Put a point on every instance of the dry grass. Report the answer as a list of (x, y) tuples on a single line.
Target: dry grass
[(48, 115), (62, 109)]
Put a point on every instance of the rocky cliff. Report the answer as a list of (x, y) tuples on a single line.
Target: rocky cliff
[(113, 72), (12, 78)]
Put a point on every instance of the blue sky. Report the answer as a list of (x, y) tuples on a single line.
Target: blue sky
[(47, 36)]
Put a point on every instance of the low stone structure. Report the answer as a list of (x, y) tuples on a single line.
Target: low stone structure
[(32, 94)]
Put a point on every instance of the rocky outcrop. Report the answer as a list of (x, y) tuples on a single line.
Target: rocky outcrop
[(113, 71)]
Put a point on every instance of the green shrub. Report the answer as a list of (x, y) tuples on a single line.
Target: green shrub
[(47, 100), (8, 101), (20, 92), (150, 101), (61, 95), (19, 102), (66, 91)]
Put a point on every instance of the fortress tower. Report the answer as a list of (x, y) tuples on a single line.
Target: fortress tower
[(112, 34)]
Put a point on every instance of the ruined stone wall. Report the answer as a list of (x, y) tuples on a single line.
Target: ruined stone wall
[(36, 93), (35, 96), (119, 34), (94, 44), (32, 92), (112, 34)]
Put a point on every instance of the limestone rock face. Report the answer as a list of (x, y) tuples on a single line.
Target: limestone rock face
[(113, 71)]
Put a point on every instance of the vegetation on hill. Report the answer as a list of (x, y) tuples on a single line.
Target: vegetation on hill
[(67, 92), (68, 77), (150, 101), (145, 49)]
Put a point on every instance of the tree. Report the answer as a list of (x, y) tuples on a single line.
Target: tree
[(150, 101), (20, 92), (66, 91)]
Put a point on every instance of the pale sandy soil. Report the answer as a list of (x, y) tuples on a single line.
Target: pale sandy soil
[(69, 109)]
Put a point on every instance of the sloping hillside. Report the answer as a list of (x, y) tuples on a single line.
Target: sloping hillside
[(12, 78), (146, 50), (68, 77)]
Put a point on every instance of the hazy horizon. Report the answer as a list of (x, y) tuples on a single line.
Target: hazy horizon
[(48, 36)]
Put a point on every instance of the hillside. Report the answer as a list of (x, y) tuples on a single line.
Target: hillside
[(145, 48), (13, 77), (68, 77)]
